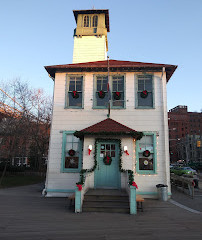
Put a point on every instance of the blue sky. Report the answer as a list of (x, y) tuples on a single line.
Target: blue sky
[(36, 33)]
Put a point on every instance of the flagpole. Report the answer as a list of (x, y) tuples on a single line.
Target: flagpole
[(108, 90)]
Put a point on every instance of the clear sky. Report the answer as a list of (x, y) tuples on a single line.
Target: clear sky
[(36, 33)]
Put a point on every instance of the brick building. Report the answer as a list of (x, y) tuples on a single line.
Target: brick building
[(185, 129)]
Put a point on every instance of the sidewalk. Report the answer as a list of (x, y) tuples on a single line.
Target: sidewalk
[(26, 215)]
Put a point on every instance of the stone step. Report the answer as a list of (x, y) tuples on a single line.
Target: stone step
[(106, 200), (108, 203), (105, 197), (107, 209)]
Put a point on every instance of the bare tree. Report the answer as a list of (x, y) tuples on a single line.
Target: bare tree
[(25, 116)]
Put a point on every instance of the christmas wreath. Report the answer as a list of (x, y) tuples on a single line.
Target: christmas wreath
[(117, 95), (101, 94), (146, 153), (144, 94), (75, 94), (107, 160), (71, 152)]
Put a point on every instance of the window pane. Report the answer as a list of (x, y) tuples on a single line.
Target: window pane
[(146, 143), (148, 101), (78, 85), (146, 163), (148, 85), (86, 21), (72, 162), (140, 85), (69, 138), (120, 102), (75, 101), (95, 21), (72, 85), (102, 101), (102, 83)]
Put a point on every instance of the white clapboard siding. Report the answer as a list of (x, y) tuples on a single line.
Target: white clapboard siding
[(153, 120)]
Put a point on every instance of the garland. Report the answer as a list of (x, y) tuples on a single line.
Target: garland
[(117, 95), (75, 94), (83, 171), (101, 94), (130, 172), (107, 160), (144, 94), (71, 152), (136, 135), (146, 153)]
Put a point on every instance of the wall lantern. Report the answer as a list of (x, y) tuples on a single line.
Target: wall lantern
[(90, 148), (125, 148)]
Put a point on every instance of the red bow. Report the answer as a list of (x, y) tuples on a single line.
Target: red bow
[(117, 93), (74, 92), (145, 92), (79, 187), (101, 93), (126, 152), (134, 184)]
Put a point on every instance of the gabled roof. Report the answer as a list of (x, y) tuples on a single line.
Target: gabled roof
[(108, 127), (94, 11), (114, 66)]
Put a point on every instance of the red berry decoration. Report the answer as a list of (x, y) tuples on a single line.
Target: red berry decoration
[(117, 95), (101, 94), (107, 160), (75, 94), (146, 153), (144, 94), (71, 152)]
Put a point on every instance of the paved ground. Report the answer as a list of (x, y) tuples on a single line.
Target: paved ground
[(27, 215)]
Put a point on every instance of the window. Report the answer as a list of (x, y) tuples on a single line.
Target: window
[(71, 153), (144, 91), (95, 21), (146, 154), (118, 91), (117, 95), (86, 22), (74, 92)]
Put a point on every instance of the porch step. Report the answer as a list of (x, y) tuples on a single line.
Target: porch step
[(106, 200)]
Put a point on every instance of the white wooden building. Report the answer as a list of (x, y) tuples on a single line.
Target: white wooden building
[(117, 109)]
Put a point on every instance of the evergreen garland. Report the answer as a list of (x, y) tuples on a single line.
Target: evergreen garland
[(83, 171), (136, 135)]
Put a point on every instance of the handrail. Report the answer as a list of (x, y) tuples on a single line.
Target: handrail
[(184, 183)]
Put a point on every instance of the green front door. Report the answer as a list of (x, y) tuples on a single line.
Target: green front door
[(107, 176)]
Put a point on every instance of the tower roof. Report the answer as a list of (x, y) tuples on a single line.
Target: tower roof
[(94, 11)]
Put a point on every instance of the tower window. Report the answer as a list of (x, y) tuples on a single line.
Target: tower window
[(86, 21), (95, 21)]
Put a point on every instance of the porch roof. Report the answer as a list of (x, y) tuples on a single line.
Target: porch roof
[(108, 127)]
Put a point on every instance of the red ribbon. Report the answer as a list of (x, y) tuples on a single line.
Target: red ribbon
[(145, 92), (101, 93), (89, 151), (118, 93), (126, 152), (74, 92), (79, 187), (134, 184)]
